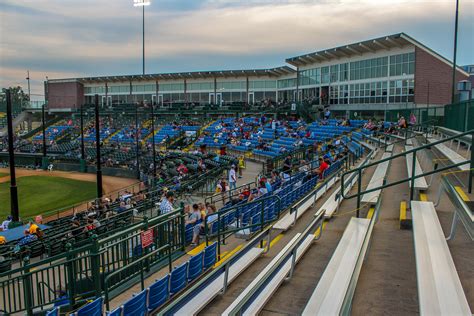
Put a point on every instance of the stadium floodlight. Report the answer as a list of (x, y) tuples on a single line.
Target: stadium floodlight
[(140, 3), (143, 4)]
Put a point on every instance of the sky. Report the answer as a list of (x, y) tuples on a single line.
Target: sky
[(80, 38)]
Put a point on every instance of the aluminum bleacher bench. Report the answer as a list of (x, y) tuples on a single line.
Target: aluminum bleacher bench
[(291, 217), (453, 156), (337, 284), (376, 181), (440, 291), (420, 183), (206, 294), (272, 285), (389, 148)]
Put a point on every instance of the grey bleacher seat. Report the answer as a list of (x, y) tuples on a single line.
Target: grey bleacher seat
[(198, 302), (332, 290), (266, 293), (376, 181), (420, 183), (440, 291), (453, 156)]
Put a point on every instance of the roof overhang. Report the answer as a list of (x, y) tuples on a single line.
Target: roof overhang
[(355, 49), (271, 73)]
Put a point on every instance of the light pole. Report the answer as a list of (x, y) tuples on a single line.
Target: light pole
[(142, 3), (453, 94), (28, 79)]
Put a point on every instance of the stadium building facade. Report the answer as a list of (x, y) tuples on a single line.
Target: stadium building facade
[(390, 72)]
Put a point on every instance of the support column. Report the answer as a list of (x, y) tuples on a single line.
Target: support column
[(97, 147), (11, 154), (247, 91), (185, 92)]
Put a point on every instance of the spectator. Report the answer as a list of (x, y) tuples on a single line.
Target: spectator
[(28, 238), (268, 185), (287, 164), (222, 188), (6, 223), (232, 178), (209, 219), (241, 165), (166, 204), (322, 167), (33, 229), (412, 119), (194, 216)]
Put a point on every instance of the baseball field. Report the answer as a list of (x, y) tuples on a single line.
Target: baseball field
[(40, 192)]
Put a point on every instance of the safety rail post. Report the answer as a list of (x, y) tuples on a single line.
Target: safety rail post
[(70, 266), (27, 288), (218, 236), (412, 180), (95, 265), (359, 187), (183, 227), (471, 171)]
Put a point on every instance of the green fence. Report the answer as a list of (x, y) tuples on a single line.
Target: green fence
[(80, 273), (460, 116)]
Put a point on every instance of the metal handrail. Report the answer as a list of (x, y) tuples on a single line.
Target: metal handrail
[(220, 233), (413, 176), (139, 261), (290, 253), (212, 275)]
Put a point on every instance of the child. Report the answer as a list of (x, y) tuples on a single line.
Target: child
[(241, 165)]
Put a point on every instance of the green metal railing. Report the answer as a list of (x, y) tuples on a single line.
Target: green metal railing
[(138, 267), (223, 232), (414, 176), (81, 272)]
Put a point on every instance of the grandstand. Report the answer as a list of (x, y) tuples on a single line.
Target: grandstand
[(327, 236)]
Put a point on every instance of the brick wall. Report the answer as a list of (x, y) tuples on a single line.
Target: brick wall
[(65, 95), (432, 73)]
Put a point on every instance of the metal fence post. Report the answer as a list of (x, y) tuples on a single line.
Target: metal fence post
[(27, 288), (412, 181), (71, 283), (471, 172), (95, 265), (183, 228), (359, 185)]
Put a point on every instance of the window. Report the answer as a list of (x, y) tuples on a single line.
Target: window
[(402, 64), (370, 68), (402, 91), (325, 74)]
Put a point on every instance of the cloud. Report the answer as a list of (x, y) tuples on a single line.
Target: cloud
[(66, 38)]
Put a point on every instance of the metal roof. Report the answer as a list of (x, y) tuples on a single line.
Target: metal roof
[(350, 50), (272, 72)]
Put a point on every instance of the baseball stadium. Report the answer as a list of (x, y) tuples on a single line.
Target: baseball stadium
[(338, 183)]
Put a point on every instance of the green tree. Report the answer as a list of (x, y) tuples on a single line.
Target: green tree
[(17, 94)]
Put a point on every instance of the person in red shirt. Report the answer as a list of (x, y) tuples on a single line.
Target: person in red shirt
[(322, 167)]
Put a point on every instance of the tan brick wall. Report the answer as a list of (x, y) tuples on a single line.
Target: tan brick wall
[(435, 75)]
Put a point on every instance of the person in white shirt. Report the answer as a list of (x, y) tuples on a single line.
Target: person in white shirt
[(6, 222), (232, 178)]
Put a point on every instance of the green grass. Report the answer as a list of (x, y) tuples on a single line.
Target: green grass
[(3, 174), (39, 194)]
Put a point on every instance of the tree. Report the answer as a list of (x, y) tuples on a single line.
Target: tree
[(17, 94)]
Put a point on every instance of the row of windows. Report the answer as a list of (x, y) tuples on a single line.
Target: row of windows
[(196, 97), (396, 65), (206, 86)]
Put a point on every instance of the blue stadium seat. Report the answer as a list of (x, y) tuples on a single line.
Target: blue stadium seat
[(92, 309), (178, 279), (116, 312), (210, 256), (136, 306), (53, 312), (158, 293), (195, 266)]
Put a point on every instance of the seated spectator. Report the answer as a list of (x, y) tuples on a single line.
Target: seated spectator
[(33, 229), (6, 223), (28, 238), (268, 185), (209, 219), (194, 216), (3, 240), (166, 204), (322, 167)]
